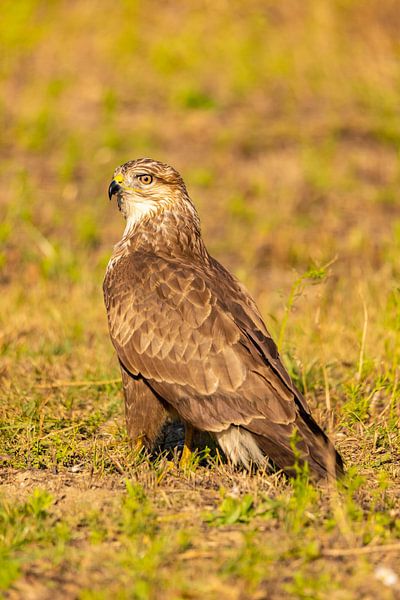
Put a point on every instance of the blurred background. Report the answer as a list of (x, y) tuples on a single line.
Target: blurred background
[(283, 119)]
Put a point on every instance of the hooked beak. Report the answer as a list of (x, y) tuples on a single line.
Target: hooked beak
[(114, 188)]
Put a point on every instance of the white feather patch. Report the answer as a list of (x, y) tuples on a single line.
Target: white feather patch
[(239, 446), (135, 212)]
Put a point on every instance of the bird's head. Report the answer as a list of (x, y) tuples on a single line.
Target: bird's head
[(146, 187)]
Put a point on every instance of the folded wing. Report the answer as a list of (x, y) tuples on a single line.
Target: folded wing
[(196, 337)]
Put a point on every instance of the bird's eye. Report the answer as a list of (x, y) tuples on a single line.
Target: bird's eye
[(146, 179)]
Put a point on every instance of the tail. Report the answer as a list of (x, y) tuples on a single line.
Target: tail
[(281, 444)]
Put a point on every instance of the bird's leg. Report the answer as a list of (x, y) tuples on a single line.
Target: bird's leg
[(187, 448)]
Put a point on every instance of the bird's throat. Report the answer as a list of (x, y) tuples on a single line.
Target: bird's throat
[(163, 232)]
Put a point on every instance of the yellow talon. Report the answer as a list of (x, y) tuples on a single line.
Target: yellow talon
[(187, 453)]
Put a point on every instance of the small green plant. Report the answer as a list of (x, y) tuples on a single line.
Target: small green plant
[(26, 524), (313, 276), (309, 586), (137, 513), (252, 561), (232, 510)]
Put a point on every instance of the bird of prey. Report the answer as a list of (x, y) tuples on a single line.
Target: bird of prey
[(190, 339)]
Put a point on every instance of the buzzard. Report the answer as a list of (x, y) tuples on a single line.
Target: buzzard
[(190, 339)]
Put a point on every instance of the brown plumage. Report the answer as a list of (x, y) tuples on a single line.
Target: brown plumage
[(189, 337)]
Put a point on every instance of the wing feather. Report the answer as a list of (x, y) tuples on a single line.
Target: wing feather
[(197, 334)]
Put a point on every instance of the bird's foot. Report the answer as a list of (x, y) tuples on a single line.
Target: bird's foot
[(186, 460)]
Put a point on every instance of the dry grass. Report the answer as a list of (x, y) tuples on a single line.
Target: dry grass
[(284, 121)]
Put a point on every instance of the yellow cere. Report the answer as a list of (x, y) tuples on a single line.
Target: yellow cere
[(119, 178)]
